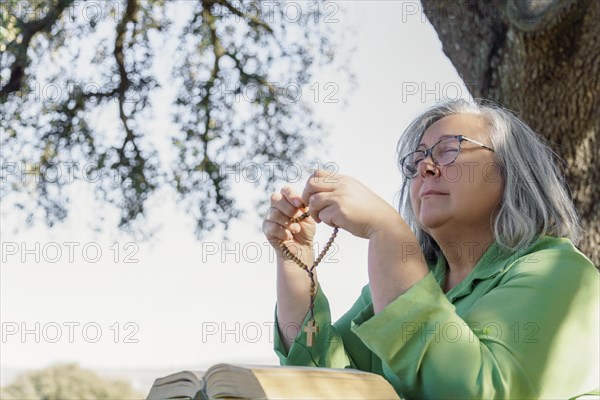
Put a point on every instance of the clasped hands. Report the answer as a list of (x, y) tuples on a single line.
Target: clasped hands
[(335, 200)]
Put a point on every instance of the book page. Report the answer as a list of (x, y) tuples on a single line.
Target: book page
[(230, 380), (173, 390), (293, 382), (192, 376), (338, 384)]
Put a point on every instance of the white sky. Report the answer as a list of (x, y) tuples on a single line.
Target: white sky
[(187, 307)]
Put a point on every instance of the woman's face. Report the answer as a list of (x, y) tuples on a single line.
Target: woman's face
[(463, 195)]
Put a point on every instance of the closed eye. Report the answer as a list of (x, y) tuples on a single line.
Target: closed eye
[(418, 158)]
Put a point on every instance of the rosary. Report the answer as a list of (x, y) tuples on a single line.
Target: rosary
[(312, 328)]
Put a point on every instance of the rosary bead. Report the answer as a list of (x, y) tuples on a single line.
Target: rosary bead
[(287, 252)]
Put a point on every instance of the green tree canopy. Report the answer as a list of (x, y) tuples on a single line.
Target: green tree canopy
[(79, 85)]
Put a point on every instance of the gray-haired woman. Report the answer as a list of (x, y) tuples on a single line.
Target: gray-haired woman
[(476, 289)]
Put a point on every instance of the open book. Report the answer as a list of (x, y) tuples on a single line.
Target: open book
[(272, 382)]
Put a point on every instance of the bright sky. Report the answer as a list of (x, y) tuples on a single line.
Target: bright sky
[(189, 304)]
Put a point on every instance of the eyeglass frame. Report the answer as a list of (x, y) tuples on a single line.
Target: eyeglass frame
[(429, 152)]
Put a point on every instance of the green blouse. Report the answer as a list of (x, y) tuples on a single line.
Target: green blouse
[(521, 325)]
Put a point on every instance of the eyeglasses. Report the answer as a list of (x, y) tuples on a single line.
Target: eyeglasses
[(444, 152)]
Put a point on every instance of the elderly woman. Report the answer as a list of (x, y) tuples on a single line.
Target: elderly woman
[(476, 289)]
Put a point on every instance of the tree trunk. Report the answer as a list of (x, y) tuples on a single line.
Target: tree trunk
[(540, 59)]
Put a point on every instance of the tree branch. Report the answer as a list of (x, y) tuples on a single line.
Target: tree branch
[(252, 19), (130, 15), (27, 31), (218, 51)]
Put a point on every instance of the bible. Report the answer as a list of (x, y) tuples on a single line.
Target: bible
[(271, 382)]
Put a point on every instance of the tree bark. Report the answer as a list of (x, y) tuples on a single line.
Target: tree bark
[(541, 60)]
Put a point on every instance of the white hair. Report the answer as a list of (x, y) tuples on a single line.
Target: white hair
[(535, 200)]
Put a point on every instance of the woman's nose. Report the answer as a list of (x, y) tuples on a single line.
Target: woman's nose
[(428, 167)]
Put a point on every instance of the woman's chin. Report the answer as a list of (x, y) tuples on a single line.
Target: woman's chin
[(431, 222)]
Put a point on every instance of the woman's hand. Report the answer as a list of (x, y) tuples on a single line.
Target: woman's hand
[(298, 237), (346, 203)]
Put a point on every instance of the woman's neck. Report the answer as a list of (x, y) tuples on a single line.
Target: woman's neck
[(462, 253)]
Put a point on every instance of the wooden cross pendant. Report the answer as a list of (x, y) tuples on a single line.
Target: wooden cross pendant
[(311, 328)]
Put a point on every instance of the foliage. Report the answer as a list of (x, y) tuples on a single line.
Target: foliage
[(79, 87), (64, 382)]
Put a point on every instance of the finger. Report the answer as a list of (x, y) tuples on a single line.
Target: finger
[(293, 196), (280, 202), (327, 215), (275, 215), (315, 184), (325, 172), (275, 232), (316, 203)]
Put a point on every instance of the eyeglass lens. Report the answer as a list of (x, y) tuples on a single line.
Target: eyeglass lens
[(443, 152)]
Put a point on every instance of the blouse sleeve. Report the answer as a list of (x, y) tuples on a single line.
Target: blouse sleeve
[(335, 345), (534, 335)]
